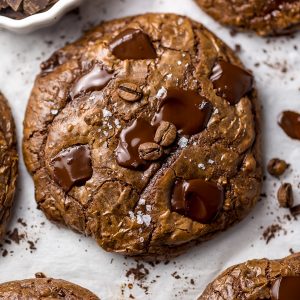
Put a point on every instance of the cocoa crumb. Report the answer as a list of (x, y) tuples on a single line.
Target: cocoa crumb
[(139, 272), (31, 245), (176, 275), (270, 232), (22, 222), (15, 236)]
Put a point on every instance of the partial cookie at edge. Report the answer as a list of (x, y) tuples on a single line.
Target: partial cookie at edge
[(251, 280), (264, 17), (42, 288), (8, 163)]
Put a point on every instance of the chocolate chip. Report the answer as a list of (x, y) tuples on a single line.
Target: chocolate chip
[(285, 195), (132, 44), (150, 151), (286, 288), (197, 199), (231, 82), (72, 166), (277, 167), (165, 134), (289, 121), (186, 109), (129, 91), (127, 154), (96, 79)]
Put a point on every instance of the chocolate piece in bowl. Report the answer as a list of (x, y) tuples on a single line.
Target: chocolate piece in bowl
[(44, 288), (265, 17), (167, 155), (8, 163), (19, 9), (258, 279)]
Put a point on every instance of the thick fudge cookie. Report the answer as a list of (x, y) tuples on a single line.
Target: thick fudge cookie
[(44, 288), (8, 163), (266, 17), (143, 134), (258, 279)]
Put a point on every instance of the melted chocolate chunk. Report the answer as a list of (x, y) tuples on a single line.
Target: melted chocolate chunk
[(131, 138), (187, 110), (132, 44), (230, 81), (287, 288), (289, 121), (72, 166), (96, 79), (197, 199)]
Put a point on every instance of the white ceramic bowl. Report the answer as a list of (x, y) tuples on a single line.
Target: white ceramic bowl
[(39, 20)]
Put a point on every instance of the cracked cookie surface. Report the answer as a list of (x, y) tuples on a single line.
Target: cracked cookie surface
[(121, 117), (266, 17), (44, 288), (257, 279), (8, 163)]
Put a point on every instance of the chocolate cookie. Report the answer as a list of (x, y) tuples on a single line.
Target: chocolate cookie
[(44, 288), (258, 279), (143, 134), (266, 17), (8, 163)]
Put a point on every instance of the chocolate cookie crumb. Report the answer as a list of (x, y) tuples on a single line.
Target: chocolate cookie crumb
[(15, 236), (270, 232), (139, 272), (277, 167), (285, 195)]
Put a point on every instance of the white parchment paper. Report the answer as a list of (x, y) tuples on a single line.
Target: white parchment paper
[(63, 254)]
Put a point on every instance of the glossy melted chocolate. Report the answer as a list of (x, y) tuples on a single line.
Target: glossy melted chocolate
[(72, 166), (286, 288), (197, 199), (132, 44), (96, 79), (187, 110), (131, 138), (230, 81)]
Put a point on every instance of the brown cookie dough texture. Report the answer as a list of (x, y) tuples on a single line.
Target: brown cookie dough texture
[(143, 134), (44, 288), (257, 279), (266, 17), (8, 163)]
